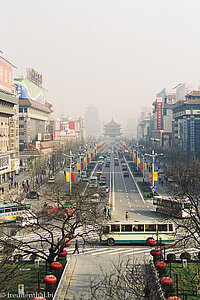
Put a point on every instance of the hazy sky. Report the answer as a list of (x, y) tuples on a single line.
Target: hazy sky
[(115, 54)]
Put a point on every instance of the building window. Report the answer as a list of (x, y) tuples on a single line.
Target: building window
[(25, 109), (21, 109), (21, 133), (21, 118), (21, 125)]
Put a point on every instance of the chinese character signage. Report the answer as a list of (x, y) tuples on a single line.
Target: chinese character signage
[(159, 113)]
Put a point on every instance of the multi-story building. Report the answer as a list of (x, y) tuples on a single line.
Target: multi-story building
[(92, 123), (35, 113), (9, 148), (186, 123)]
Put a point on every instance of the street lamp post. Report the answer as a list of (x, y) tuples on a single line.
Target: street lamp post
[(86, 157), (70, 170), (153, 155)]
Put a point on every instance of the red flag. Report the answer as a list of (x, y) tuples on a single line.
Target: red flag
[(72, 125), (82, 166), (150, 176), (91, 155), (135, 160), (141, 166), (72, 177), (88, 160), (131, 155)]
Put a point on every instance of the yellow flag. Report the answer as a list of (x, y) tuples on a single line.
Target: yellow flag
[(131, 151), (68, 177), (156, 176), (138, 160), (145, 166), (92, 150), (85, 160), (78, 166), (134, 155), (89, 155)]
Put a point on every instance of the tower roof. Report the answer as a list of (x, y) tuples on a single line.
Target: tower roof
[(112, 123)]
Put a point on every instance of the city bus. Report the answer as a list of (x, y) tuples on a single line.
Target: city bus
[(9, 212), (137, 232), (172, 207)]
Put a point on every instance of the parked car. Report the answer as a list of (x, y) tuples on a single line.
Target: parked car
[(49, 209), (126, 174), (32, 195)]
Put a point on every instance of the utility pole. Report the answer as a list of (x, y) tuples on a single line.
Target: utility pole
[(153, 155)]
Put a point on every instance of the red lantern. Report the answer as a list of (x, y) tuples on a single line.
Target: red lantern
[(155, 252), (166, 281), (63, 253), (68, 244), (151, 242), (56, 266), (160, 266), (50, 279), (39, 298), (173, 298), (71, 236)]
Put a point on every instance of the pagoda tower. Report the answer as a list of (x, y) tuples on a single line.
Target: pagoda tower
[(112, 130)]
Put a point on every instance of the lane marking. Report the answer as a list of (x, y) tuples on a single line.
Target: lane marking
[(106, 251), (141, 251), (128, 250)]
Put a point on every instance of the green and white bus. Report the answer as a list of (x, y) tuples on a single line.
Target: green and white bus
[(137, 232)]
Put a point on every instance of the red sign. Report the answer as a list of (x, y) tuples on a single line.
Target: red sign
[(150, 176), (6, 76), (141, 166), (159, 113)]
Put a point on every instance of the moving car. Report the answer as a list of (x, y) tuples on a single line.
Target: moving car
[(126, 174)]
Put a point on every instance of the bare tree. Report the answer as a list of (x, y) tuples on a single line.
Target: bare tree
[(127, 280)]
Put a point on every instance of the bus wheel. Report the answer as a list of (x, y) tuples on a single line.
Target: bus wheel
[(110, 242)]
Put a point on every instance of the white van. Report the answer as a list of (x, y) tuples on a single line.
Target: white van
[(26, 220)]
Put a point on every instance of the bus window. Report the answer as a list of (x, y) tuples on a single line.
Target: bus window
[(150, 227), (105, 229), (20, 208), (170, 227), (115, 228), (7, 210), (138, 227), (126, 228), (1, 211), (162, 227), (14, 209)]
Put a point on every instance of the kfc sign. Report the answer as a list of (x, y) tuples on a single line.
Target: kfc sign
[(159, 113), (6, 76)]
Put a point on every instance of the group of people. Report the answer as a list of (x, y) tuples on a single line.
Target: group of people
[(107, 213)]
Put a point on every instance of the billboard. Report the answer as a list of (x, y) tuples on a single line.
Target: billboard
[(29, 90), (67, 129), (159, 113), (5, 76)]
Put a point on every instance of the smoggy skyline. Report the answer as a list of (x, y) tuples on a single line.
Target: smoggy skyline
[(113, 54)]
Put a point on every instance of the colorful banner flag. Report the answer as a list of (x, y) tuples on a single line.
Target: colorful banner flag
[(72, 177), (138, 160), (135, 160), (155, 176), (92, 155), (85, 160), (82, 166), (88, 160), (67, 177), (78, 166), (134, 155), (145, 166), (89, 155), (150, 176), (141, 166), (131, 155)]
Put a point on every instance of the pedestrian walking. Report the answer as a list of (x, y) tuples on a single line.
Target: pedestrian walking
[(127, 215), (162, 182), (108, 213), (2, 190), (15, 184), (76, 247), (105, 210)]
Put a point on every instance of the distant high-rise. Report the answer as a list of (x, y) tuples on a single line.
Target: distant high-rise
[(92, 123)]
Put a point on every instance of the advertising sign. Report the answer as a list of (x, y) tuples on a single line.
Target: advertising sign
[(29, 90), (159, 113), (5, 76), (67, 129)]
